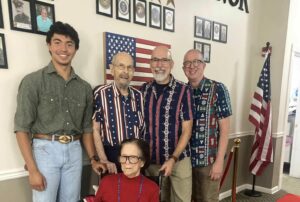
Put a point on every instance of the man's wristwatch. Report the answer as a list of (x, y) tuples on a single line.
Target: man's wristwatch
[(95, 158), (174, 157)]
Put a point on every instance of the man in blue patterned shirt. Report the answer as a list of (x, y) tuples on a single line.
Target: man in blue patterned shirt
[(118, 112), (210, 128), (169, 118)]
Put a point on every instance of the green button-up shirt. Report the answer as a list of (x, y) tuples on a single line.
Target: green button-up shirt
[(46, 103)]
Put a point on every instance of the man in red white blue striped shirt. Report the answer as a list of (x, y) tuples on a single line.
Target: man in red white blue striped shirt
[(118, 112)]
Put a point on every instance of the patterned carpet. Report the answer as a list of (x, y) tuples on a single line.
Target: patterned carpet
[(241, 197)]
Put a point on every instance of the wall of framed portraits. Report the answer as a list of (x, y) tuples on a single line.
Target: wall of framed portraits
[(234, 58)]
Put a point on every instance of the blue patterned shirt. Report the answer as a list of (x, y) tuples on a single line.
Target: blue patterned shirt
[(212, 103), (164, 115), (120, 117)]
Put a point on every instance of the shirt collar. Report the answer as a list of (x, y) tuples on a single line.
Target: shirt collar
[(51, 69), (117, 91)]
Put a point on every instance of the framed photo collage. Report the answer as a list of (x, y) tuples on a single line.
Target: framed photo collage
[(142, 13)]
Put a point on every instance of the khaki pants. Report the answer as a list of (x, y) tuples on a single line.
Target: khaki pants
[(178, 186), (204, 189)]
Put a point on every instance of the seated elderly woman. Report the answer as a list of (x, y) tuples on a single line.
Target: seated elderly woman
[(131, 185)]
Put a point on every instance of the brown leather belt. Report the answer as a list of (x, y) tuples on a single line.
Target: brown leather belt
[(62, 138)]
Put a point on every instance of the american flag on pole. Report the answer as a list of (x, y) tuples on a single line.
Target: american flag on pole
[(139, 49), (261, 116)]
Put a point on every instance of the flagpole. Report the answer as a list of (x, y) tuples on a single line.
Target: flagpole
[(252, 192)]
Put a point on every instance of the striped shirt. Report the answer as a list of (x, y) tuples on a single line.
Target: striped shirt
[(212, 103), (120, 117), (164, 115)]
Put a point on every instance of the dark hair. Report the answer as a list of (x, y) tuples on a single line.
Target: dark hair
[(64, 29), (142, 146)]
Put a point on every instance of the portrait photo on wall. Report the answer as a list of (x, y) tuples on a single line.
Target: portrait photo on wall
[(140, 12), (223, 30), (198, 27), (205, 48), (3, 58), (123, 10), (104, 7), (155, 15), (1, 17), (207, 29), (20, 16), (45, 16), (169, 19), (216, 31)]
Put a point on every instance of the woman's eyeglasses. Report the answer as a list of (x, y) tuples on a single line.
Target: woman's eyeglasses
[(131, 159)]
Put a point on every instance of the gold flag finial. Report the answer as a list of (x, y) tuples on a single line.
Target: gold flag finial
[(172, 2)]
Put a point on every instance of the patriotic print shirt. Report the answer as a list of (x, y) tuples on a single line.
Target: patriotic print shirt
[(120, 117), (212, 103), (164, 115)]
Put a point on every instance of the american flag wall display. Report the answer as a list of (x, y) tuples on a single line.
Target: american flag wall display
[(139, 49)]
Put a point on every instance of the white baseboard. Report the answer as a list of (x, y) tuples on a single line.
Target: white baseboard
[(249, 186), (13, 174)]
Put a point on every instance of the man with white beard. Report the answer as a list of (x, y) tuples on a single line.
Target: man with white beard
[(168, 118)]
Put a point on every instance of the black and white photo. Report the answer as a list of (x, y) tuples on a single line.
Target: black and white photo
[(216, 31), (3, 58), (140, 12), (207, 29), (155, 15), (1, 17), (198, 27), (198, 46), (104, 7), (123, 10), (169, 19), (206, 52), (223, 30), (20, 15)]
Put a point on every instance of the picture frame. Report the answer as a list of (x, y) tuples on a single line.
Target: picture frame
[(207, 29), (1, 17), (104, 7), (216, 31), (3, 57), (155, 15), (140, 12), (44, 15), (123, 10), (205, 49), (20, 15), (169, 19), (198, 27), (223, 34)]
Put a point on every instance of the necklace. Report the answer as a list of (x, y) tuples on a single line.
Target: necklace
[(140, 188)]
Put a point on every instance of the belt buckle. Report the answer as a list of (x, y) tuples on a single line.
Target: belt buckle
[(64, 139)]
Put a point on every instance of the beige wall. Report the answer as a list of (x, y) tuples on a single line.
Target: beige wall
[(237, 63)]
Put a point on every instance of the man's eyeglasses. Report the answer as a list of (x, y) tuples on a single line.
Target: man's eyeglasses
[(131, 159), (164, 61), (188, 64), (123, 67)]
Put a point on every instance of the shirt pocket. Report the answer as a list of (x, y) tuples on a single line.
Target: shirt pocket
[(77, 109), (48, 107)]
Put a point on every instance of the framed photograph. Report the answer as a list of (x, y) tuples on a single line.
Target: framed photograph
[(216, 31), (20, 15), (123, 10), (207, 29), (169, 19), (140, 12), (45, 16), (205, 48), (155, 15), (223, 30), (104, 7), (198, 27), (3, 58), (1, 17)]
